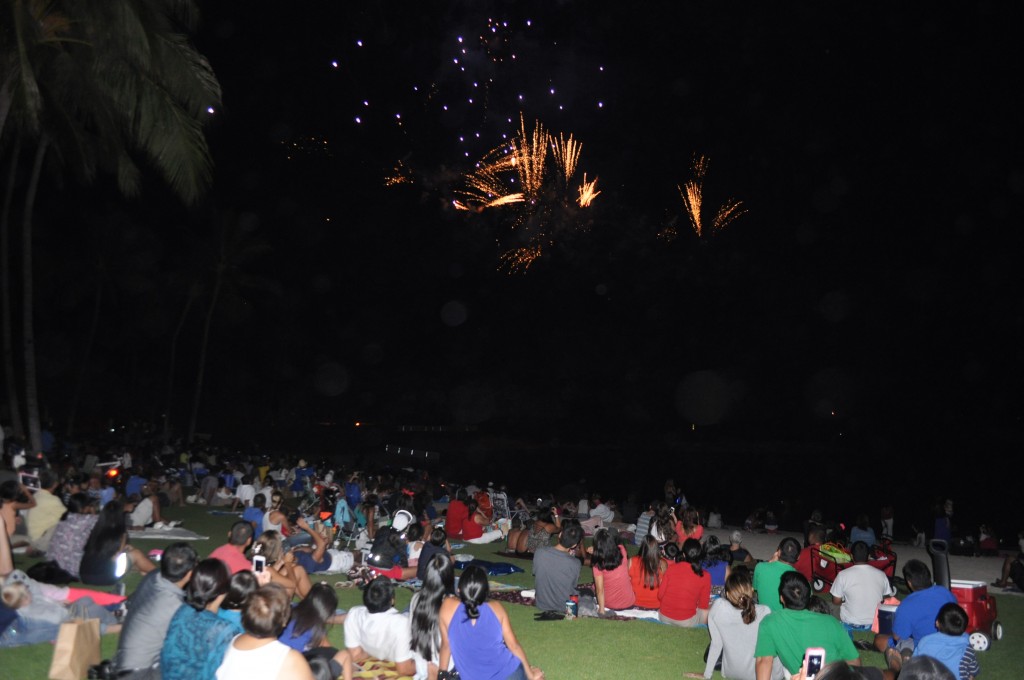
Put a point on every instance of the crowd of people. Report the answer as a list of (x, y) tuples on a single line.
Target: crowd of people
[(252, 609)]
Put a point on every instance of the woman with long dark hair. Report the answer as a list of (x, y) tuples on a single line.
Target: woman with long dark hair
[(685, 590), (197, 638), (307, 627), (478, 635), (645, 572), (425, 609), (611, 573), (107, 554)]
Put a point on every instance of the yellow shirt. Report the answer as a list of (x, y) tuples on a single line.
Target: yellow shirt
[(44, 516)]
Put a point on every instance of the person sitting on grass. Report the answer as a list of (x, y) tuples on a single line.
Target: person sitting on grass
[(232, 553), (197, 637), (478, 634), (150, 610), (437, 543), (645, 572), (915, 616), (737, 553), (377, 630), (788, 633), (611, 573), (951, 644), (257, 653), (685, 591), (107, 555), (556, 569), (1012, 574), (424, 612), (254, 513), (526, 540), (859, 589), (767, 575)]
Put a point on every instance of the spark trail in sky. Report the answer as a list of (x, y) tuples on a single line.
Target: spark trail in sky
[(693, 201), (539, 194)]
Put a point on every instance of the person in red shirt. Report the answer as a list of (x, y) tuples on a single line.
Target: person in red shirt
[(232, 553), (457, 515), (815, 537), (685, 591)]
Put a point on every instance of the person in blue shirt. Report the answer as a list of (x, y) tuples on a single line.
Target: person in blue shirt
[(915, 616), (197, 638)]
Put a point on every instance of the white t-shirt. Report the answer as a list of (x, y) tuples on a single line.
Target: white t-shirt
[(245, 493), (143, 513), (383, 636), (862, 588), (604, 512)]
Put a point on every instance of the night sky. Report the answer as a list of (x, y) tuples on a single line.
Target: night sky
[(858, 326)]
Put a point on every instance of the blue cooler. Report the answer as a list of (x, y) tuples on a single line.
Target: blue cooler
[(886, 612)]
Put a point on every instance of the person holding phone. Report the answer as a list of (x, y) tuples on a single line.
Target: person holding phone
[(789, 633)]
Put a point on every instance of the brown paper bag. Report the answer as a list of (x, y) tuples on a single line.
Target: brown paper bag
[(77, 648)]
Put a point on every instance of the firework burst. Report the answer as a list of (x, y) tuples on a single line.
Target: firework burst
[(517, 176), (693, 201)]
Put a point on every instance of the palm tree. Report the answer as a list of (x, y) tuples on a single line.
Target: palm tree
[(118, 77)]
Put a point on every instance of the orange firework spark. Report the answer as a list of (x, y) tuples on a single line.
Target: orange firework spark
[(693, 199), (588, 192), (530, 151), (399, 175), (518, 173), (566, 153), (518, 260)]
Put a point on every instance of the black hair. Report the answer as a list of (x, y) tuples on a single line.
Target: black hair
[(924, 667), (789, 550), (241, 585), (78, 502), (209, 581), (438, 582), (241, 533), (692, 552), (259, 501), (860, 551), (266, 612), (917, 574), (571, 534), (312, 612), (379, 594), (715, 551), (47, 478), (177, 560), (951, 619), (473, 589), (108, 532), (322, 667), (414, 532), (818, 605), (438, 536), (794, 590), (607, 555)]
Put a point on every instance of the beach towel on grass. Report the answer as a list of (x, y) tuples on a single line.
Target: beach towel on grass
[(374, 669), (492, 568), (175, 534)]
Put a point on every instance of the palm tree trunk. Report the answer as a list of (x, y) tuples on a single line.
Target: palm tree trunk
[(202, 352), (13, 402), (171, 364), (28, 333), (90, 342)]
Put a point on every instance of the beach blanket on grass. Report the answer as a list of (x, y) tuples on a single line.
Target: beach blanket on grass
[(223, 513), (374, 669), (175, 534)]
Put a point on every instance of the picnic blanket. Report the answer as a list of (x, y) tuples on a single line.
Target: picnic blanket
[(374, 669), (222, 513), (175, 534)]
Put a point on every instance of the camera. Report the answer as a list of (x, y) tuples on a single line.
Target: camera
[(30, 481), (259, 562)]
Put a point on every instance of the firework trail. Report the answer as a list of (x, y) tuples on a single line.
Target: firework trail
[(518, 176), (693, 201)]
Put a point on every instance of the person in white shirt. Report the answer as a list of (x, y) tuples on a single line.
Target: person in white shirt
[(377, 630), (859, 589)]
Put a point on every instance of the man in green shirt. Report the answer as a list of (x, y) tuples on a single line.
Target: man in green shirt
[(788, 633), (768, 574)]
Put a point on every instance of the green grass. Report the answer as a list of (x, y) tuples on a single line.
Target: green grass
[(582, 649)]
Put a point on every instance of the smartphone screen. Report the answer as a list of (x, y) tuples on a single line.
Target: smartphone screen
[(814, 659), (258, 562), (30, 481)]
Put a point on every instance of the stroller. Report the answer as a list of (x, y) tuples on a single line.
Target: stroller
[(349, 533)]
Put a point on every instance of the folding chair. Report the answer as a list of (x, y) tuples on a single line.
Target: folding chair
[(499, 501)]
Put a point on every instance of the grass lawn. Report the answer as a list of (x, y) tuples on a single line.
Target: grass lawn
[(581, 649)]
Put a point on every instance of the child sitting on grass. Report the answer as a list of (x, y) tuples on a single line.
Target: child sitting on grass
[(951, 644)]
